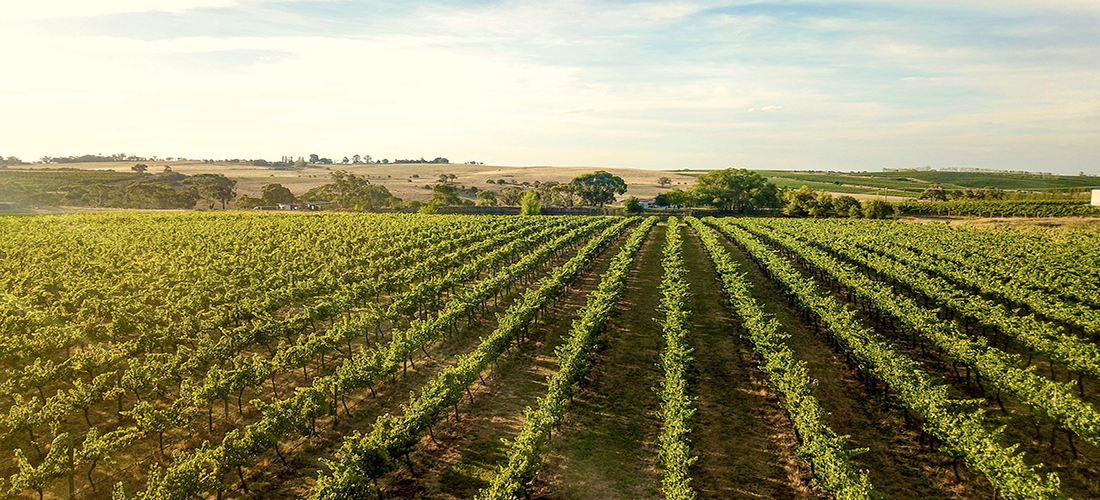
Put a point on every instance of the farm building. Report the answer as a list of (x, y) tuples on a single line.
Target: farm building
[(1096, 197)]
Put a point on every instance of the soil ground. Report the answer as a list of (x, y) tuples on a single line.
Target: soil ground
[(606, 447), (468, 451), (896, 463), (744, 442)]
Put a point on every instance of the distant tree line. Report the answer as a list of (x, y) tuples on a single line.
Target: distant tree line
[(436, 160), (735, 190), (347, 191), (746, 192), (110, 189), (936, 192), (92, 158), (805, 202), (315, 159), (285, 161), (11, 161), (593, 190)]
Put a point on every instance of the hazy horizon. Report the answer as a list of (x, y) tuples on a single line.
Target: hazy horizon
[(810, 85)]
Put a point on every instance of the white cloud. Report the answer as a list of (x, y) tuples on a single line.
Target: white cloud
[(551, 18), (557, 82), (43, 9), (998, 6)]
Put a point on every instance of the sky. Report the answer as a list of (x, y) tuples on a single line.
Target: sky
[(808, 85)]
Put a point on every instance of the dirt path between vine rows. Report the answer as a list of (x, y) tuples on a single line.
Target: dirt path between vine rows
[(606, 447), (468, 452), (295, 480), (744, 442), (896, 463)]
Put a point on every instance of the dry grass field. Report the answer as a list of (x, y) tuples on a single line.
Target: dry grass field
[(406, 181)]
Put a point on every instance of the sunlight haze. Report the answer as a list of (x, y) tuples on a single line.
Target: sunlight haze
[(661, 85)]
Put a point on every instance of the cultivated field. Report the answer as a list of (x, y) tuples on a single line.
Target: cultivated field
[(398, 178), (329, 356), (413, 181)]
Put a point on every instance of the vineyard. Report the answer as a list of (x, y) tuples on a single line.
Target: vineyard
[(338, 356)]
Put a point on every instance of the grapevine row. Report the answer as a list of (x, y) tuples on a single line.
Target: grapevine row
[(364, 457), (959, 426), (574, 361), (1056, 401), (216, 291), (1078, 315), (828, 453), (204, 469), (159, 369), (1068, 268), (673, 444), (152, 420), (1049, 340)]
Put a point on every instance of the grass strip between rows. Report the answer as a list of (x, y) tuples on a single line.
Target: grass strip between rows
[(364, 457), (202, 470), (959, 424), (827, 453), (574, 358), (1055, 401)]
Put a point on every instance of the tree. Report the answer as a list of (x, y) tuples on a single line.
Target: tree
[(158, 195), (99, 194), (245, 202), (352, 192), (805, 201), (664, 182), (843, 206), (822, 205), (675, 198), (530, 204), (140, 168), (443, 195), (935, 192), (631, 205), (314, 158), (739, 190), (877, 209), (487, 198), (598, 188), (275, 194), (372, 197), (554, 194), (797, 202), (345, 161), (510, 196), (215, 187)]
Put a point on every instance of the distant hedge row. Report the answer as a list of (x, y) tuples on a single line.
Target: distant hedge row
[(998, 208)]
